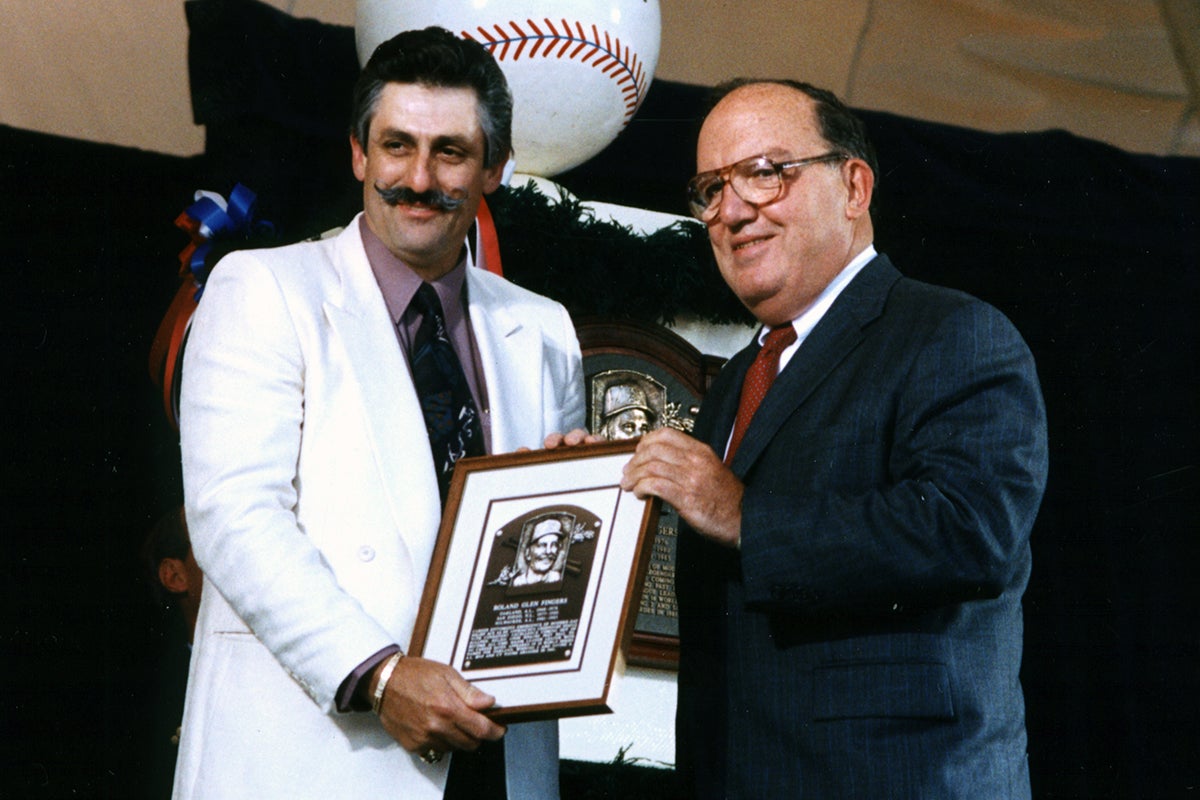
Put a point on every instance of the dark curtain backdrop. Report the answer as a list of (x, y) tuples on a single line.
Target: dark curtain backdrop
[(1093, 253)]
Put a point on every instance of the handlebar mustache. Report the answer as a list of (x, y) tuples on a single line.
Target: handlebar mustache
[(431, 198)]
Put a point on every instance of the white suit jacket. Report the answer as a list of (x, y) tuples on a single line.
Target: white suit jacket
[(313, 511)]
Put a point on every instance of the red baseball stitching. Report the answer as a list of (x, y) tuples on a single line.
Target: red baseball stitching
[(508, 41)]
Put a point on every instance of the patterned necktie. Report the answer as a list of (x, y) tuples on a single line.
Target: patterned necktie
[(450, 414), (758, 380)]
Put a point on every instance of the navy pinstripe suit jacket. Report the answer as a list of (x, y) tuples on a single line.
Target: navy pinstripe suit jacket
[(866, 641)]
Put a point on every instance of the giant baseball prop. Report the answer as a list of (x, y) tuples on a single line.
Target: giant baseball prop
[(578, 69)]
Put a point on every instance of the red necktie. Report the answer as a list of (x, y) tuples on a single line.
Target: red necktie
[(759, 378)]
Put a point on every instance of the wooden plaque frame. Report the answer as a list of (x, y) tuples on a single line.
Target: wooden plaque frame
[(540, 558)]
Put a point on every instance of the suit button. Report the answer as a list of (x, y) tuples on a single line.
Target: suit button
[(366, 553)]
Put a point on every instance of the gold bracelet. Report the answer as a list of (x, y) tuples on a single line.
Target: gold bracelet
[(385, 674)]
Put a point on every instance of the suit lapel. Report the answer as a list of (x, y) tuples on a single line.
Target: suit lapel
[(719, 408), (511, 352), (834, 337), (360, 323)]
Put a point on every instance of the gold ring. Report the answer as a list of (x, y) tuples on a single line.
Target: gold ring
[(431, 756)]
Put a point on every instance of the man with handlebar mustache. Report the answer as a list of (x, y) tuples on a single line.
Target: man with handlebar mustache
[(328, 389)]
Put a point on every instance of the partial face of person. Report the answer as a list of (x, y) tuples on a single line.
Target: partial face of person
[(779, 256), (181, 576), (626, 425), (422, 172), (543, 553)]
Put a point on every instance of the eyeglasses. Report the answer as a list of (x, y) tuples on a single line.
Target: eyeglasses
[(757, 180)]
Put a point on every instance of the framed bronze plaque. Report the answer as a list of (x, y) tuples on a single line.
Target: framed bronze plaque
[(640, 377), (539, 561)]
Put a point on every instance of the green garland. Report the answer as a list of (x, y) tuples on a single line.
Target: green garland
[(594, 267), (599, 267)]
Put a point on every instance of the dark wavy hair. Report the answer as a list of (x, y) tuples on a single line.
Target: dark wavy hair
[(436, 57)]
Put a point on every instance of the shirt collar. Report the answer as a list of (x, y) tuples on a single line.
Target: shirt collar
[(399, 283), (816, 310)]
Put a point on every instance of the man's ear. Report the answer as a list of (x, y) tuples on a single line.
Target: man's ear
[(173, 576), (860, 183), (493, 176), (358, 158)]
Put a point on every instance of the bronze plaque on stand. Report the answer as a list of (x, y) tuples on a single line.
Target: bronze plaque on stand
[(640, 377)]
